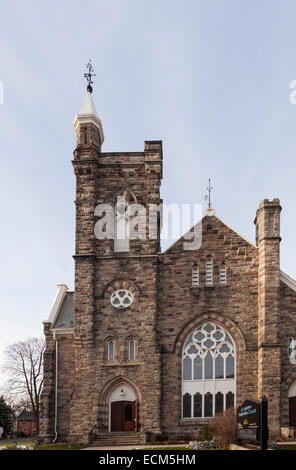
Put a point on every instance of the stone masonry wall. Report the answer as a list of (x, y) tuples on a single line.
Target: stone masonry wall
[(269, 362), (254, 307), (66, 367), (182, 308), (100, 179)]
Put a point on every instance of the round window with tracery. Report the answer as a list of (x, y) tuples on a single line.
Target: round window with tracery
[(121, 298)]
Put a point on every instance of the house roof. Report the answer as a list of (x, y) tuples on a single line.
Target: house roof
[(26, 416), (65, 317), (61, 317)]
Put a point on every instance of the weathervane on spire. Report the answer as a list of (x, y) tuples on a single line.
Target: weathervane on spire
[(89, 76), (208, 196)]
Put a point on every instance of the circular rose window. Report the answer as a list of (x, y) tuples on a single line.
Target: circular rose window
[(121, 298)]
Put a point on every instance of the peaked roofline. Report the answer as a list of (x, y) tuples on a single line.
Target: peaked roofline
[(288, 280), (57, 304), (248, 241), (199, 221)]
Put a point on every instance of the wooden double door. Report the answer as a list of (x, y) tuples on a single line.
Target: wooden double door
[(292, 411), (124, 416)]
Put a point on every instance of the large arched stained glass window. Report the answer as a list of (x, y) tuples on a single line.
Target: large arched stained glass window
[(209, 384)]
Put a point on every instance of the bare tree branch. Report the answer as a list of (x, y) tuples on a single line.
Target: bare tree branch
[(23, 363)]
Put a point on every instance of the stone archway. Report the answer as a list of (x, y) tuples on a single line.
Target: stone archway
[(120, 399), (123, 409)]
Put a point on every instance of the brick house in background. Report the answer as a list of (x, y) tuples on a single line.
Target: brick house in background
[(155, 343), (26, 423)]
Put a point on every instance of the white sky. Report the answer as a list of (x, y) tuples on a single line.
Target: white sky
[(210, 78)]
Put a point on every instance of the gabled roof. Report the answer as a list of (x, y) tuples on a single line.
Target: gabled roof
[(288, 280), (208, 213), (26, 416), (65, 318), (61, 317)]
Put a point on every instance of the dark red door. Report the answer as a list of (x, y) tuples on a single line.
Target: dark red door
[(116, 416), (123, 414), (292, 411)]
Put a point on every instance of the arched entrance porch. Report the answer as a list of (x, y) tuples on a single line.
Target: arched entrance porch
[(119, 407), (123, 409)]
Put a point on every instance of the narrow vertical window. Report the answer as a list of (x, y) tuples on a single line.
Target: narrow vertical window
[(208, 405), (219, 367), (222, 275), (197, 405), (290, 347), (198, 368), (208, 366), (209, 271), (131, 350), (121, 239), (187, 368), (195, 276), (230, 367), (229, 400), (219, 402), (187, 405), (110, 350)]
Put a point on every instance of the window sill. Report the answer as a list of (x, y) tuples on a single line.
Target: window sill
[(197, 290), (186, 421), (123, 254), (121, 364)]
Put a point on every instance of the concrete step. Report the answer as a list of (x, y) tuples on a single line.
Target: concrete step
[(118, 439)]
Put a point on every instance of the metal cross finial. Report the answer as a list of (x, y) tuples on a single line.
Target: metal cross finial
[(208, 196), (89, 76)]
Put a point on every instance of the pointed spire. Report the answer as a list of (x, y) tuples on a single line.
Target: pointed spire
[(88, 113), (88, 106)]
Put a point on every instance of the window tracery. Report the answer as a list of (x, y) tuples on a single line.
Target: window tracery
[(208, 371)]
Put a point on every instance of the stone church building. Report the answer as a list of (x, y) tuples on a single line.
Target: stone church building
[(155, 343)]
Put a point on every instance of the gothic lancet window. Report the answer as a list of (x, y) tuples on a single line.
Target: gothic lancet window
[(197, 409), (131, 350), (110, 345), (187, 405), (209, 384)]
